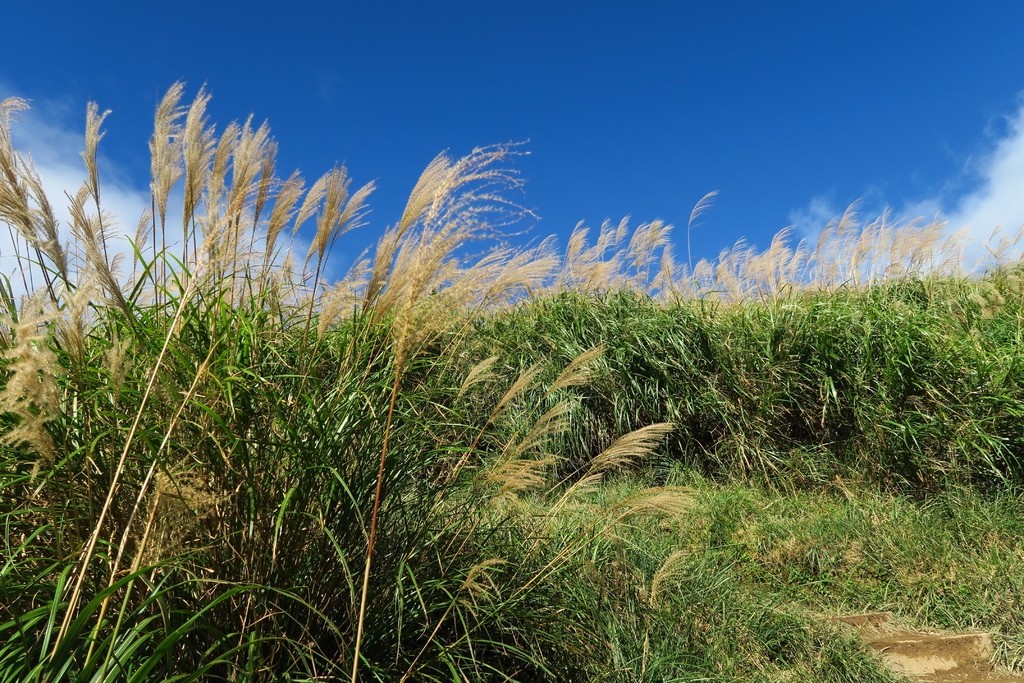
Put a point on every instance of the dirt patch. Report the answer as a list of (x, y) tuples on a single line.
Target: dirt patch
[(929, 657), (917, 654)]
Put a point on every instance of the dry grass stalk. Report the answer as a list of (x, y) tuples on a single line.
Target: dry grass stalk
[(464, 195), (989, 299), (340, 213), (847, 253), (663, 286), (647, 240), (774, 272), (452, 204), (624, 451), (640, 260), (93, 135), (579, 372), (216, 186), (198, 148), (287, 197), (699, 209), (115, 362), (182, 501), (252, 152), (341, 301), (672, 502), (23, 202), (31, 391), (481, 372), (596, 268), (553, 421), (513, 473), (230, 253), (165, 154), (91, 234), (71, 327), (88, 552), (671, 569), (524, 382), (514, 477), (502, 277), (480, 585)]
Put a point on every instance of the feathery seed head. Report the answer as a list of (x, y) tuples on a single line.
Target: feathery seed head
[(31, 392)]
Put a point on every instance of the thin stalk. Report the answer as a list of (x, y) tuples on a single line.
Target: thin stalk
[(373, 526), (90, 548), (138, 502)]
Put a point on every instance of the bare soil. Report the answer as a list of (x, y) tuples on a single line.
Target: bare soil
[(929, 657)]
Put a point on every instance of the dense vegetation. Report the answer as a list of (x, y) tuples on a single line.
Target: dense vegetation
[(601, 465)]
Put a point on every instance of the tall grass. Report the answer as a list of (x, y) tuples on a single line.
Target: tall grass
[(196, 457), (218, 465), (913, 383)]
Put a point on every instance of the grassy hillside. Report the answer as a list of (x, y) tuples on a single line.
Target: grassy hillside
[(601, 464)]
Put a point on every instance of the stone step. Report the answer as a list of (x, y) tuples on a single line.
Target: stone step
[(919, 654), (928, 657)]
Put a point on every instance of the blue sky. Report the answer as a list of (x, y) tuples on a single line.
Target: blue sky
[(790, 110)]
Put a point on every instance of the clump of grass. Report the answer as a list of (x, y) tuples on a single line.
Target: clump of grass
[(184, 423), (202, 479), (908, 383)]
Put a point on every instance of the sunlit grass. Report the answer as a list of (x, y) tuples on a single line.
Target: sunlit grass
[(596, 465)]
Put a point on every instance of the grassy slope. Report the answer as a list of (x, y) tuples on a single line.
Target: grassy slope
[(218, 468), (864, 444), (913, 384)]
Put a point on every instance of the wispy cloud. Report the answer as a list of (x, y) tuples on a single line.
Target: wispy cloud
[(996, 200), (808, 221), (999, 200), (54, 147)]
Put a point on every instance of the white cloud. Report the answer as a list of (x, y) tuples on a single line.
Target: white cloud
[(808, 221), (54, 148), (996, 201), (999, 201)]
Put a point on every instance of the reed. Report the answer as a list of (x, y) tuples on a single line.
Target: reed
[(216, 465)]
